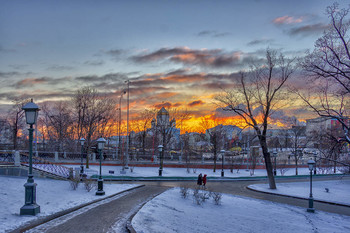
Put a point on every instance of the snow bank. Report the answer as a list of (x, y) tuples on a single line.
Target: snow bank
[(338, 190), (169, 212), (52, 196)]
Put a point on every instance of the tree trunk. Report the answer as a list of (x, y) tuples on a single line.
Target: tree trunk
[(268, 164), (296, 166)]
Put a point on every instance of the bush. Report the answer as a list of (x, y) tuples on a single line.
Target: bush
[(197, 197), (184, 192), (216, 197), (89, 184), (74, 181)]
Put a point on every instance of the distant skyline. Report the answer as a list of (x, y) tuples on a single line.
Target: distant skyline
[(175, 53)]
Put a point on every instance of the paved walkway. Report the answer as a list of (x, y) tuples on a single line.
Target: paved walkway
[(110, 216)]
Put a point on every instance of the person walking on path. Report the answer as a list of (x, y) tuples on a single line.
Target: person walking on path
[(204, 180), (199, 180)]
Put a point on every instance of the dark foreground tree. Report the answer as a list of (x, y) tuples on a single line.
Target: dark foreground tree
[(257, 95)]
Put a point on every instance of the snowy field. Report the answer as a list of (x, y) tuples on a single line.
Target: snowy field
[(180, 172), (52, 196), (169, 212), (338, 190)]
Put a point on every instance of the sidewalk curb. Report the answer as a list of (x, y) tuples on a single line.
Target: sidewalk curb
[(301, 198), (51, 217)]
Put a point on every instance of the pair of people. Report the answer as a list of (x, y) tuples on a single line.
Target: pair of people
[(202, 180)]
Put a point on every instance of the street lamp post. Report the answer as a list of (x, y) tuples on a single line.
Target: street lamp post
[(275, 158), (160, 149), (315, 156), (82, 141), (119, 125), (222, 165), (30, 207), (127, 128), (100, 143), (311, 209)]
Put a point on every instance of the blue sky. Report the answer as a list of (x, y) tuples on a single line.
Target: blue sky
[(48, 49)]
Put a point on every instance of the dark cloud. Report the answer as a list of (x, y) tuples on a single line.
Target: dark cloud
[(38, 95), (259, 42), (160, 54), (60, 68), (212, 58), (165, 105), (30, 82), (213, 33), (107, 77), (5, 50), (195, 103), (306, 30), (115, 52), (9, 74), (206, 33), (94, 63)]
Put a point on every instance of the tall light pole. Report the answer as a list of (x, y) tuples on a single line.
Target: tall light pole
[(222, 165), (30, 207), (275, 157), (82, 141), (120, 122), (160, 149), (311, 208), (100, 144), (315, 157), (127, 129)]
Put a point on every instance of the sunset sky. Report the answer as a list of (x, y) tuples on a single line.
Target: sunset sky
[(175, 53)]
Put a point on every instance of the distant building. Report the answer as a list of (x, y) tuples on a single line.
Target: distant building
[(324, 124), (162, 128)]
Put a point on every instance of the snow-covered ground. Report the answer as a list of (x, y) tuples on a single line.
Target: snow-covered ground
[(164, 213), (169, 212), (180, 172), (52, 196), (338, 190)]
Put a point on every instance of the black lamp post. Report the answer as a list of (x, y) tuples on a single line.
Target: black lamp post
[(160, 149), (311, 209), (100, 143), (222, 165), (315, 157), (30, 207), (275, 158), (82, 141)]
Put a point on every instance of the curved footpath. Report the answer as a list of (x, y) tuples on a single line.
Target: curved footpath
[(115, 212), (109, 215)]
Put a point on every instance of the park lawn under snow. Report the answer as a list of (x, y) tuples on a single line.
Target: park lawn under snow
[(180, 172), (169, 212), (338, 190), (52, 196)]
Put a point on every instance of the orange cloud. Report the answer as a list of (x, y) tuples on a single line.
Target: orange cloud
[(30, 82), (195, 103), (287, 20), (184, 78), (164, 95)]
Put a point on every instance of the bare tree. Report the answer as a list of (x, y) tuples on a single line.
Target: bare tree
[(92, 113), (57, 119), (15, 119), (257, 95), (329, 65), (142, 124), (299, 143), (214, 131)]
